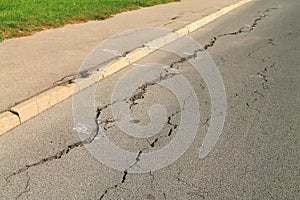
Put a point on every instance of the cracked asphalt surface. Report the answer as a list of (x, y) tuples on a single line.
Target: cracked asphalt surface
[(256, 49)]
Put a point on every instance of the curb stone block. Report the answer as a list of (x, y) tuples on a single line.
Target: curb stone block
[(139, 53), (66, 92), (183, 31), (43, 102), (192, 27), (48, 99), (53, 96), (61, 93), (116, 65), (8, 121), (213, 16), (26, 109), (220, 13), (162, 41)]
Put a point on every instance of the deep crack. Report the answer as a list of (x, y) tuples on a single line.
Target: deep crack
[(265, 79), (138, 157), (263, 73), (187, 58), (140, 92), (106, 122), (62, 152), (213, 40), (125, 173), (173, 127), (99, 110)]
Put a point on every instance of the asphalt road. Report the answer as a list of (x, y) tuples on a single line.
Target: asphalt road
[(256, 49)]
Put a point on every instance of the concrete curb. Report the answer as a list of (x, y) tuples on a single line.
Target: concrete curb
[(30, 108)]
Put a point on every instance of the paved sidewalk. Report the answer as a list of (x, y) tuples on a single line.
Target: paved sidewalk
[(32, 64)]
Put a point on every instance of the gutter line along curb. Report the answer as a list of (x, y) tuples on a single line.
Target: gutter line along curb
[(30, 108)]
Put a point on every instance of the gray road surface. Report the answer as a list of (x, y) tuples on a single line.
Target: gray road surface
[(256, 49)]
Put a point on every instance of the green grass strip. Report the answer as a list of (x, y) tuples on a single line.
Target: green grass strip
[(23, 17)]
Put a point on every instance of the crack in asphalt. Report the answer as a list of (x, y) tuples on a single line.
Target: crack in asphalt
[(137, 95), (27, 188), (265, 79), (243, 29), (263, 73), (137, 159), (270, 41), (152, 178), (173, 128), (62, 152), (213, 40), (186, 58), (206, 121), (125, 173), (56, 156), (165, 195), (100, 109), (113, 187), (140, 92), (152, 145), (106, 122)]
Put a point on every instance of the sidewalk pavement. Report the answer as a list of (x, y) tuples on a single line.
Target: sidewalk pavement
[(30, 65)]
